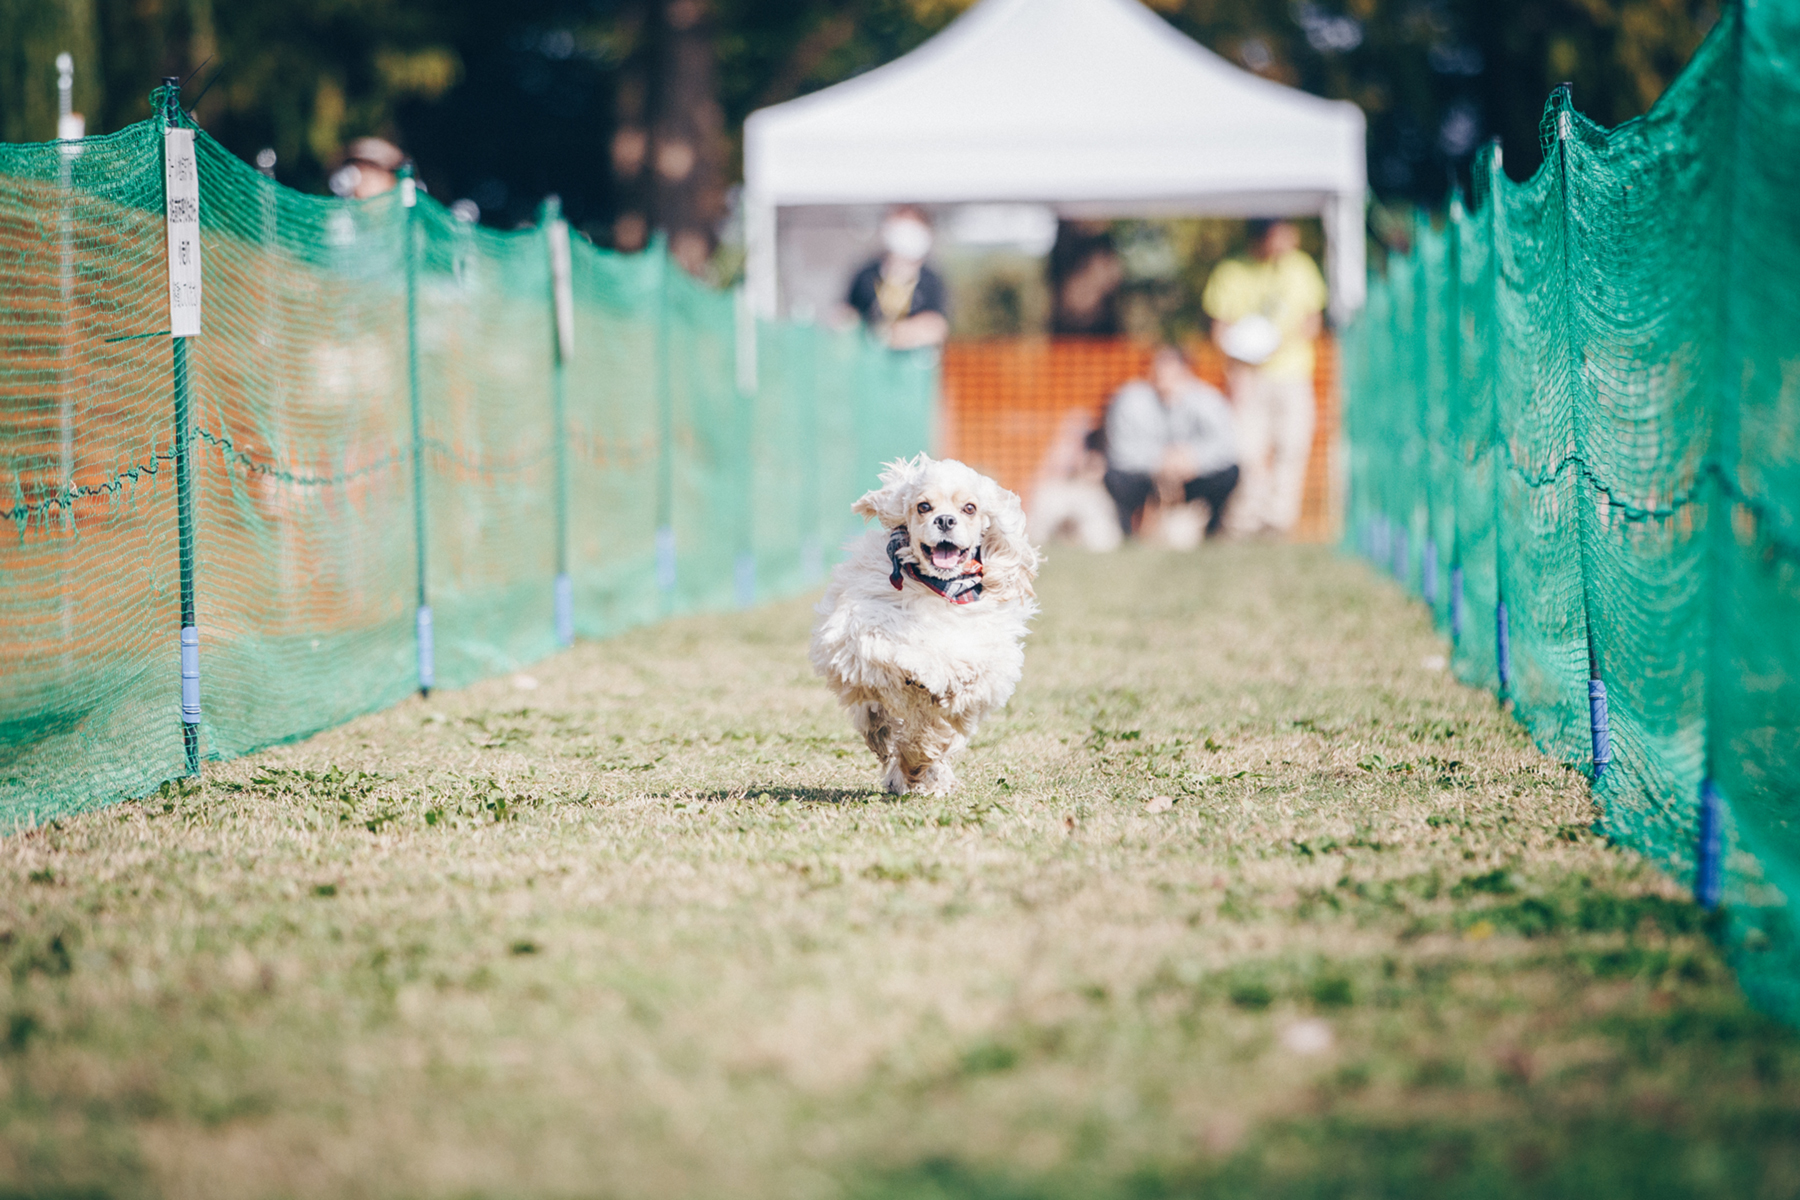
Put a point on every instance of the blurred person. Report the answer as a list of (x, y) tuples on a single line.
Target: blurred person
[(1266, 314), (1070, 499), (898, 296), (1085, 274), (371, 167), (1171, 435)]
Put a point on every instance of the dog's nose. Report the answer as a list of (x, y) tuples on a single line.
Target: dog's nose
[(945, 521)]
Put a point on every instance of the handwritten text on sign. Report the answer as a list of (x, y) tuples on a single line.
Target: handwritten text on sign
[(181, 191)]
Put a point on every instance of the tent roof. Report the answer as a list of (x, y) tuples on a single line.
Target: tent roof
[(1067, 101)]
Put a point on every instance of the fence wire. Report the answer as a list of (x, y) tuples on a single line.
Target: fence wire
[(1574, 426), (398, 473)]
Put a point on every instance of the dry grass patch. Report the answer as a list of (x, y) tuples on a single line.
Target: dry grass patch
[(1242, 898)]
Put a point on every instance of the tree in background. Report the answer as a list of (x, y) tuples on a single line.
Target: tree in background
[(505, 103), (500, 104), (1438, 78), (668, 151), (31, 36)]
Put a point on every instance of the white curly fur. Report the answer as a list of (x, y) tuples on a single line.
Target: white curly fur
[(917, 672)]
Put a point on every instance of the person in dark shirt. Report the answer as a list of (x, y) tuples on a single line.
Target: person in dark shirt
[(899, 297)]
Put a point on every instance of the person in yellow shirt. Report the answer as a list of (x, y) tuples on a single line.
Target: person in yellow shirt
[(1265, 313)]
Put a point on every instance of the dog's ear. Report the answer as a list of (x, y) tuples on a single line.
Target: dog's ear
[(890, 502), (1009, 562)]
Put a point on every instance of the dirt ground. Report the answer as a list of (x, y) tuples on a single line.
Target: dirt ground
[(1243, 896)]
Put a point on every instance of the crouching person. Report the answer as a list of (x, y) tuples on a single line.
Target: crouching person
[(1170, 436)]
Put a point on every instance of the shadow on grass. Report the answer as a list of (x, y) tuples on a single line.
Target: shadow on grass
[(782, 793), (1595, 1158)]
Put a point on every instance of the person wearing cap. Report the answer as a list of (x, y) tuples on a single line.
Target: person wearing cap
[(900, 298), (1265, 312), (371, 167)]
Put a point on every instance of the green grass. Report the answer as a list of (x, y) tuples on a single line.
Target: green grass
[(643, 930)]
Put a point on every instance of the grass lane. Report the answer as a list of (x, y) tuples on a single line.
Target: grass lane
[(1244, 895)]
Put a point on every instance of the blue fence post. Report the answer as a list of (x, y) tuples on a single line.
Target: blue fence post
[(1709, 866), (1602, 732), (1456, 605)]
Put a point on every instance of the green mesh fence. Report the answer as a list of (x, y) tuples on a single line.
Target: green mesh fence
[(379, 419), (1574, 426)]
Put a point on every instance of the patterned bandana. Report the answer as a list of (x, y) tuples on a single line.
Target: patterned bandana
[(960, 589)]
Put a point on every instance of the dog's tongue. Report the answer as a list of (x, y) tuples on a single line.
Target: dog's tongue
[(945, 557)]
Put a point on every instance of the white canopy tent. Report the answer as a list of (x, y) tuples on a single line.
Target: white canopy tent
[(1096, 107)]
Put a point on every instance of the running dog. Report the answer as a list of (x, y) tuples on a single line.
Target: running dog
[(921, 630)]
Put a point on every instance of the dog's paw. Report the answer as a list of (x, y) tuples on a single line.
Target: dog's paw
[(894, 779), (937, 780)]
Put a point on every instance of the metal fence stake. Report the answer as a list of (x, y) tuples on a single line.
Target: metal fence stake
[(562, 299), (181, 211), (423, 633)]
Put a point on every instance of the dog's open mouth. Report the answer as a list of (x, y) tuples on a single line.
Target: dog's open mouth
[(947, 556)]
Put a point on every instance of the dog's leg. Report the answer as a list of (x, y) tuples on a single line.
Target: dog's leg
[(947, 739), (907, 758), (925, 754), (871, 720)]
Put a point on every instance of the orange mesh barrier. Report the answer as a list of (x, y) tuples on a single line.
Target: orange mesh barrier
[(1005, 398)]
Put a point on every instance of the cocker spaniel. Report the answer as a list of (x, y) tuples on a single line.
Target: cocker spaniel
[(921, 630)]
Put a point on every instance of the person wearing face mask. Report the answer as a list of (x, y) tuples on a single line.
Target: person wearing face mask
[(899, 297)]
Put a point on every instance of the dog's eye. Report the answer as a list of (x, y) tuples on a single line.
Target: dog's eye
[(924, 506), (969, 508)]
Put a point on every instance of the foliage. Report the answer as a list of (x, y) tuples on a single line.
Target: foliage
[(1438, 78), (503, 103), (500, 103)]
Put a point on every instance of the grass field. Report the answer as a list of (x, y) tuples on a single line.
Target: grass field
[(1244, 896)]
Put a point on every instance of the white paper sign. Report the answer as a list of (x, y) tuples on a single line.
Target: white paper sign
[(181, 197), (562, 289)]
